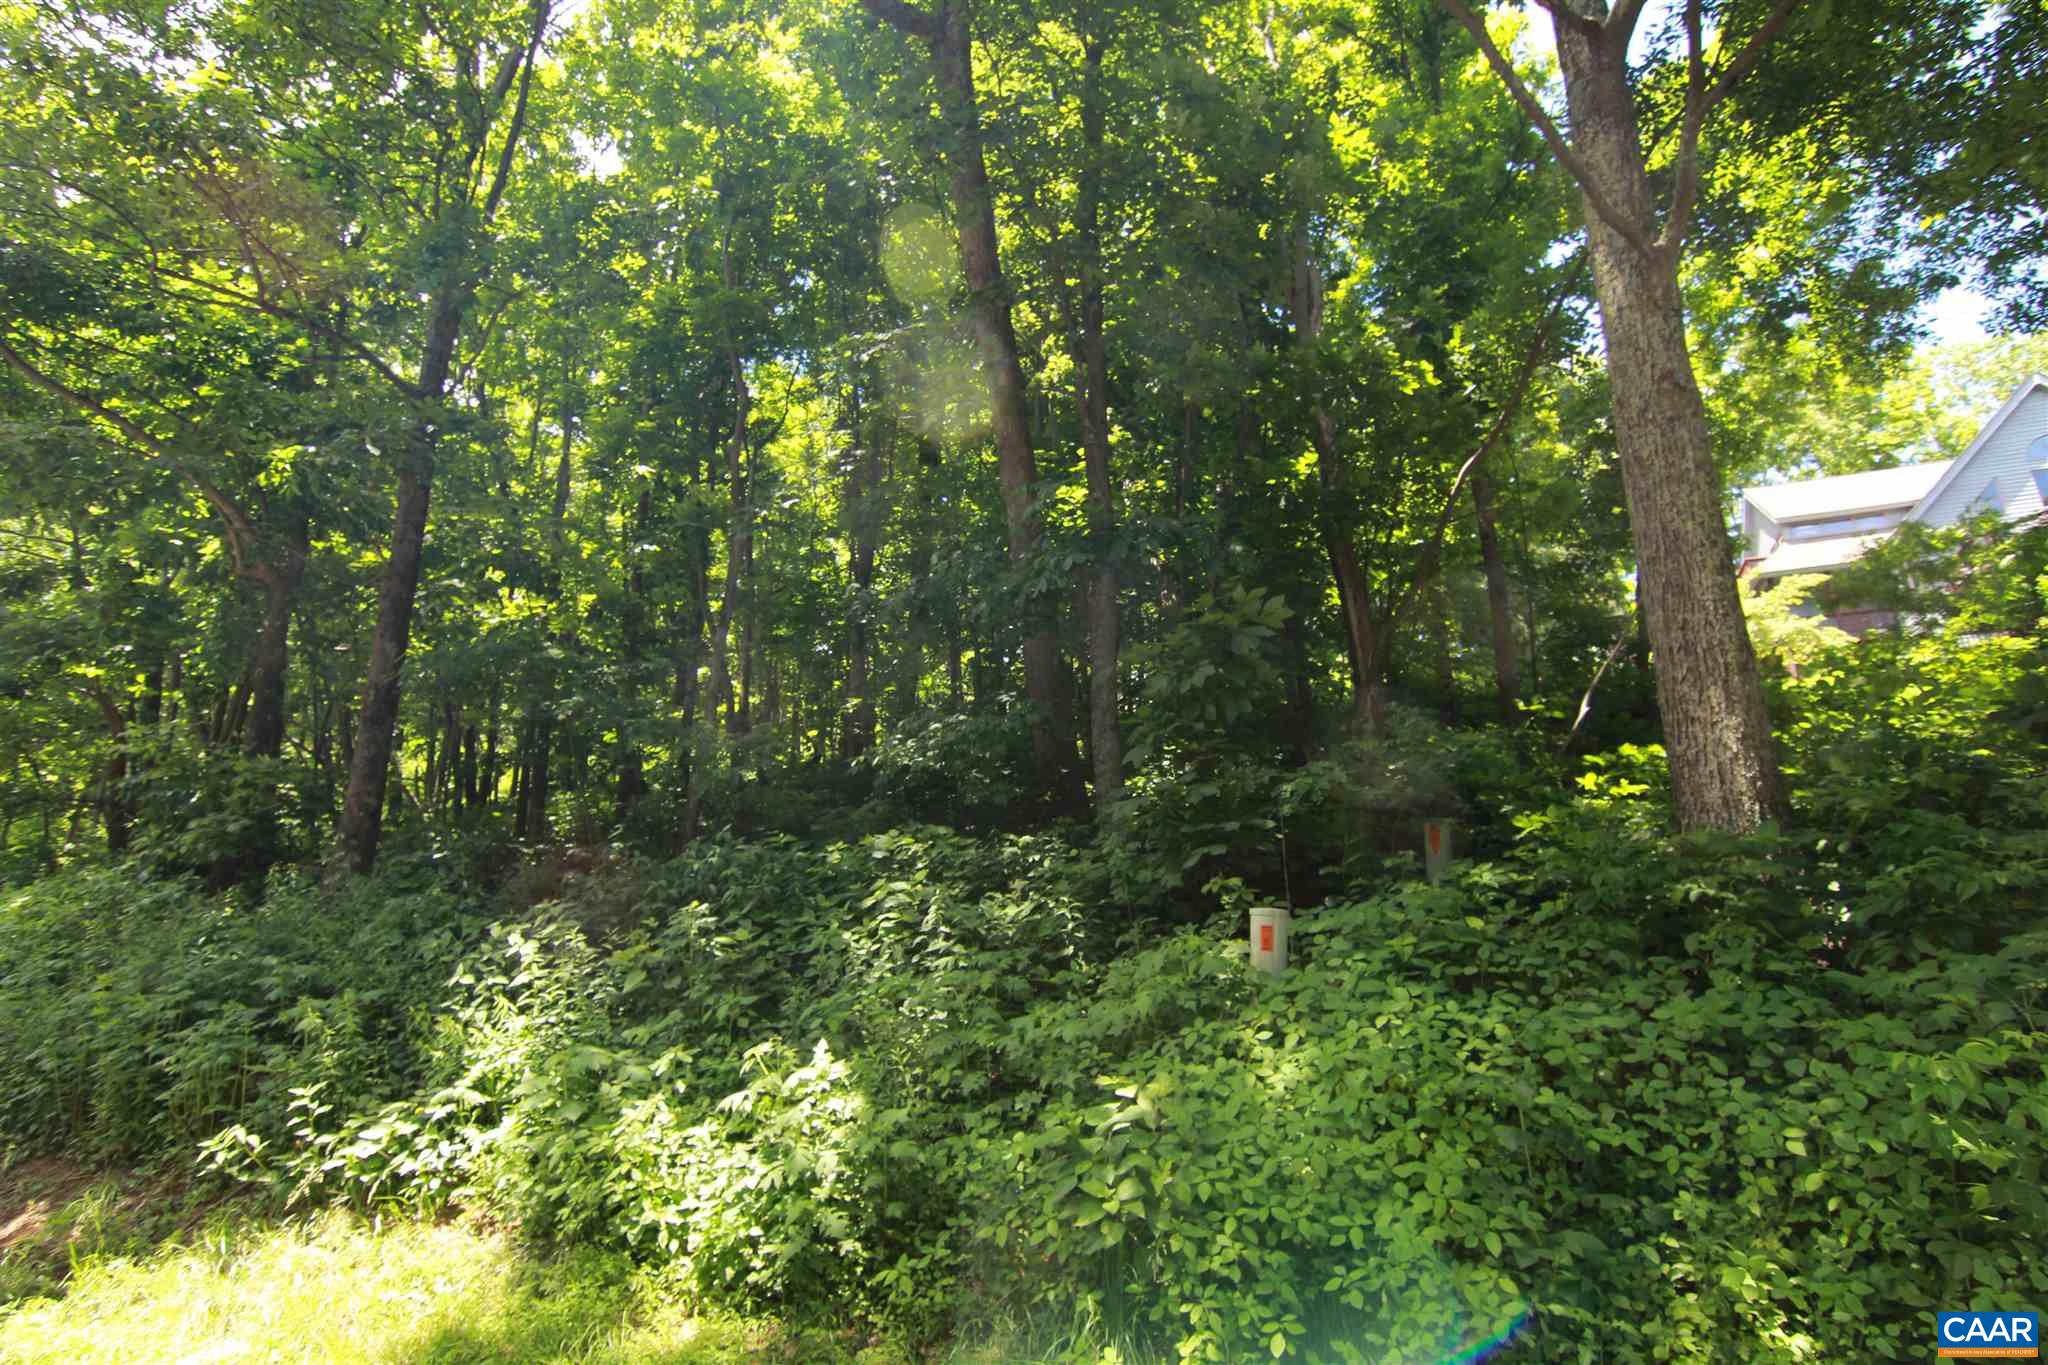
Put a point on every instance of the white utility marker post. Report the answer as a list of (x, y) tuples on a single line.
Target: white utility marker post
[(1270, 927), (1436, 849)]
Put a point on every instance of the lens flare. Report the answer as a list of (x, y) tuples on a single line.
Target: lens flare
[(1493, 1345), (917, 254)]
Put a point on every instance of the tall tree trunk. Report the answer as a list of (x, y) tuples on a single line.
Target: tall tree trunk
[(1507, 673), (451, 786), (1365, 644), (263, 729), (232, 715), (1363, 638), (633, 641), (114, 810), (735, 542), (430, 770), (1302, 702), (489, 782), (362, 821), (395, 788), (1105, 740), (917, 618), (539, 762), (152, 696), (946, 33), (522, 776), (565, 472), (955, 699), (864, 515), (1443, 643), (1724, 771), (272, 655), (859, 732), (750, 614), (689, 646)]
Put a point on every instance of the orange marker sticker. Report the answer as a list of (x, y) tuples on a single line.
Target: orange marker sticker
[(1265, 938)]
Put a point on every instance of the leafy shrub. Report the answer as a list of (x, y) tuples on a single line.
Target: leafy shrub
[(966, 768), (761, 1200), (1472, 1102), (1771, 1096), (137, 1013)]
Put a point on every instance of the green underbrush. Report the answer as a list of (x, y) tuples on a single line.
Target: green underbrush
[(1606, 1093)]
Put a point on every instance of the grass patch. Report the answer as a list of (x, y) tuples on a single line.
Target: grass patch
[(339, 1288), (56, 1215)]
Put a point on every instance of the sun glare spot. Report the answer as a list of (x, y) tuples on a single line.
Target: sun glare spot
[(917, 254)]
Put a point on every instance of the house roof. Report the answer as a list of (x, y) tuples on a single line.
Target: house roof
[(1815, 556), (1984, 433), (1907, 485)]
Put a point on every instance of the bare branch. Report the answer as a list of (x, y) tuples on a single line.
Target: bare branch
[(109, 710), (487, 106), (1621, 21), (57, 389), (1695, 59), (1532, 359), (1732, 74), (505, 153), (1700, 100), (1586, 701), (486, 337), (1630, 232), (356, 349), (1685, 190), (904, 18)]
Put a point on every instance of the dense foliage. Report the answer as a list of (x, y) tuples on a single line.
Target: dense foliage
[(1782, 1095), (694, 626), (554, 422)]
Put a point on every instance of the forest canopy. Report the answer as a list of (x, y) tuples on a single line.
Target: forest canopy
[(559, 422)]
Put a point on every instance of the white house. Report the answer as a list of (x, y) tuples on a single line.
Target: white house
[(1819, 525)]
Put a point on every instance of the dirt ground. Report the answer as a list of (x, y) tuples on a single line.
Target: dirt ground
[(34, 1190)]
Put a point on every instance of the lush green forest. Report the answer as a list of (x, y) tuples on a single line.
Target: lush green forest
[(693, 628)]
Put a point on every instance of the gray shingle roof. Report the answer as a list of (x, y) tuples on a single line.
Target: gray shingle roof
[(1847, 494)]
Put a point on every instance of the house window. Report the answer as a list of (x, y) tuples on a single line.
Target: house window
[(2037, 456), (1990, 500)]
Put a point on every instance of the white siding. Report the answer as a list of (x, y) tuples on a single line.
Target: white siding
[(1758, 530), (2004, 458)]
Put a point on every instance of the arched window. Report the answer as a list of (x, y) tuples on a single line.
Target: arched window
[(2037, 465)]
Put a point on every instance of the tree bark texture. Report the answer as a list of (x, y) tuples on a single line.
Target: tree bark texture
[(361, 827), (113, 803), (362, 820), (864, 512), (273, 646), (946, 33), (735, 545), (1507, 669), (1724, 772), (1363, 636), (1105, 739)]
